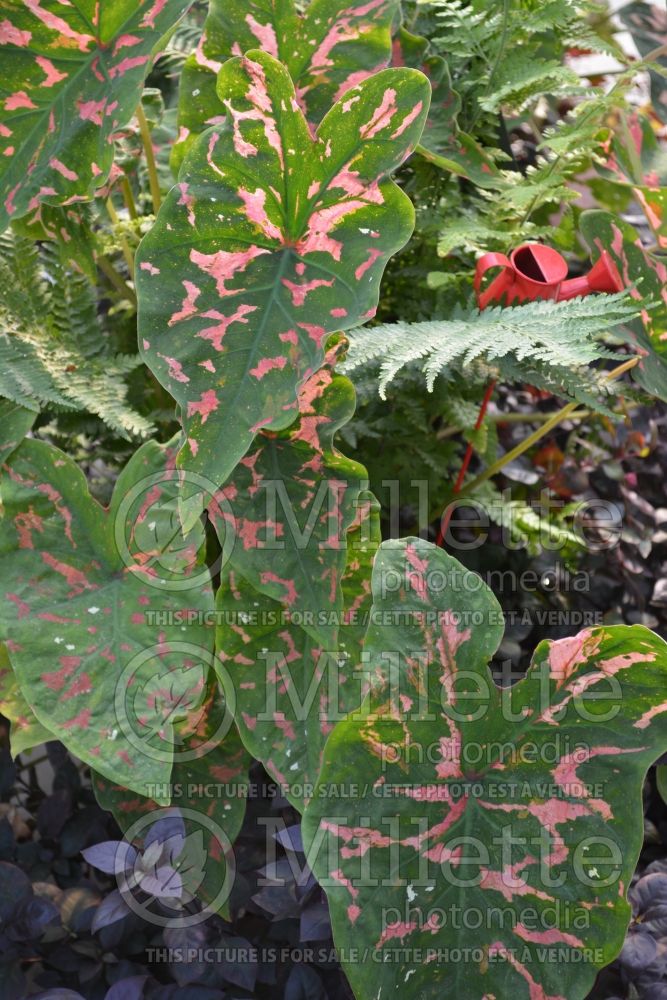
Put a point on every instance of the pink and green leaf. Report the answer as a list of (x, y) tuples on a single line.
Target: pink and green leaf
[(77, 609), (645, 275), (26, 729), (448, 796), (333, 45), (275, 239), (442, 139), (294, 598), (283, 517), (211, 782), (72, 76)]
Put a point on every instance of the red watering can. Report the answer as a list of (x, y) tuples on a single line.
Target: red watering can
[(533, 271)]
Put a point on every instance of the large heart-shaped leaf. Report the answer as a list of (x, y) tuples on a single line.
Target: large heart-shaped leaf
[(294, 599), (334, 45), (98, 666), (208, 780), (442, 141), (27, 731), (464, 833), (645, 275), (283, 517), (72, 76), (276, 239)]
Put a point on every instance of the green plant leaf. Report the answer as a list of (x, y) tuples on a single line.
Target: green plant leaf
[(73, 75), (647, 23), (636, 159), (456, 818), (646, 277), (287, 507), (277, 239), (556, 333), (26, 731), (334, 45), (96, 669), (293, 600), (209, 779), (15, 422), (442, 139)]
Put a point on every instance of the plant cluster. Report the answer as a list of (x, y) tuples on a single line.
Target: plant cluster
[(225, 595)]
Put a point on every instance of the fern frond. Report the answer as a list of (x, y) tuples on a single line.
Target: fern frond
[(53, 349), (553, 333)]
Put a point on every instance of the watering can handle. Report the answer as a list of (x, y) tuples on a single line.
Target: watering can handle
[(504, 279)]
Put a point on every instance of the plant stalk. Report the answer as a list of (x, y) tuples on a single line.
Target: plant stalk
[(538, 434), (150, 158)]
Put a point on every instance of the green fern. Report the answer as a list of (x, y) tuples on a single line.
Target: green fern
[(53, 349), (537, 335)]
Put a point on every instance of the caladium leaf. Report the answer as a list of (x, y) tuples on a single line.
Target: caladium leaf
[(77, 614), (647, 23), (284, 515), (209, 778), (277, 239), (363, 540), (332, 46), (290, 689), (73, 75), (442, 139), (286, 632), (636, 160), (27, 731), (69, 110), (645, 275), (489, 827)]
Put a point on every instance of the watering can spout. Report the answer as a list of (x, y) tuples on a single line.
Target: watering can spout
[(603, 277)]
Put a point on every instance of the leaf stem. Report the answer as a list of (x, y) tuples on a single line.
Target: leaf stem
[(538, 434), (125, 247), (128, 197), (116, 280), (150, 158)]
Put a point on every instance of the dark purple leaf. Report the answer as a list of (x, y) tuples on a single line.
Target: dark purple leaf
[(15, 888), (169, 830), (315, 924), (127, 989), (304, 984), (111, 857), (638, 952), (290, 838), (111, 909), (164, 883)]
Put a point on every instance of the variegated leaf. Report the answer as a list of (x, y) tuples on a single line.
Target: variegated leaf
[(647, 23), (72, 76), (477, 843), (636, 160), (26, 730), (283, 516), (442, 139), (645, 275), (99, 671), (293, 603), (209, 779), (334, 45), (275, 239)]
